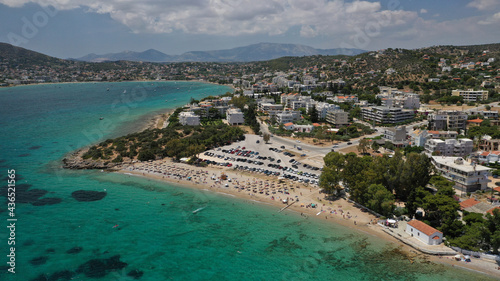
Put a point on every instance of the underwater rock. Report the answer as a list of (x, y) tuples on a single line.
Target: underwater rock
[(63, 275), (23, 195), (39, 260), (88, 195), (46, 201), (136, 274), (74, 250), (98, 268)]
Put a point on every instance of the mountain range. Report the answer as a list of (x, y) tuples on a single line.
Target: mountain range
[(255, 52)]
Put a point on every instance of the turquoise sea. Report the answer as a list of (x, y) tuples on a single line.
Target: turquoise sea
[(145, 230)]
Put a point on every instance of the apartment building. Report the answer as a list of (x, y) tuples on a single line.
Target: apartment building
[(234, 116), (449, 147), (386, 115), (471, 95), (443, 134), (337, 118), (448, 120), (468, 177), (189, 118), (322, 108), (288, 116), (396, 135)]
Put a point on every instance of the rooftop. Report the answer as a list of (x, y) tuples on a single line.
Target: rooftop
[(454, 162), (423, 227), (469, 203)]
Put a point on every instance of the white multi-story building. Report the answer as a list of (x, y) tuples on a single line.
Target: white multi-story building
[(234, 116), (489, 157), (265, 107), (449, 147), (443, 134), (471, 95), (395, 135), (418, 137), (288, 98), (394, 98), (468, 177), (189, 118), (287, 117), (448, 120), (484, 113), (322, 108), (337, 117), (387, 115)]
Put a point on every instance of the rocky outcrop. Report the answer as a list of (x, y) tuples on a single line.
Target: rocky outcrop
[(76, 162)]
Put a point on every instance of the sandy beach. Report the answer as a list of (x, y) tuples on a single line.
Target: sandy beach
[(304, 199)]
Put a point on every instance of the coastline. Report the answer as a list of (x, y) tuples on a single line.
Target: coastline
[(356, 219), (97, 82), (339, 212)]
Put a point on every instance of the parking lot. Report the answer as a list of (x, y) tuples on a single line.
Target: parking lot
[(254, 155)]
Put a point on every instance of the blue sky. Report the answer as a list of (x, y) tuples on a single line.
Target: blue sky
[(73, 28)]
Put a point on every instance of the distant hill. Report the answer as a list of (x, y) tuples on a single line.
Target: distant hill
[(17, 56), (150, 55), (255, 52)]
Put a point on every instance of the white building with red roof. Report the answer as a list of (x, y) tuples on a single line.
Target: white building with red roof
[(424, 232)]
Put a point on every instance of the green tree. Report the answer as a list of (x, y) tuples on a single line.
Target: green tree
[(266, 137), (331, 176), (363, 145), (313, 115), (380, 199)]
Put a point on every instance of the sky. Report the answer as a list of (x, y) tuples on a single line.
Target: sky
[(74, 28)]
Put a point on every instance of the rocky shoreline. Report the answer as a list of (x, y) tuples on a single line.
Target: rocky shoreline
[(75, 161)]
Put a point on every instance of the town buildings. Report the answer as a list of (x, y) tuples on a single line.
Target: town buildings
[(468, 177), (449, 147), (189, 118), (424, 232), (337, 118), (448, 120), (386, 115), (396, 135), (234, 116), (471, 95)]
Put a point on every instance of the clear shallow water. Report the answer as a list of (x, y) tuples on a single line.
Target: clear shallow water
[(150, 225)]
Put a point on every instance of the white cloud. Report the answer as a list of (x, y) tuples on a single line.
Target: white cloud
[(423, 11), (239, 17), (491, 20), (483, 4)]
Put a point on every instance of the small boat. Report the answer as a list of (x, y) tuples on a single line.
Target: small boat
[(198, 210), (124, 91), (166, 100), (318, 213), (100, 118)]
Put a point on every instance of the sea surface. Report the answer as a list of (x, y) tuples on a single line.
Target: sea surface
[(146, 230)]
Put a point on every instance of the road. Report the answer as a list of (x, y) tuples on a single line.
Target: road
[(312, 151)]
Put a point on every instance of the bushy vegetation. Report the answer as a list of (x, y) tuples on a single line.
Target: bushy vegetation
[(376, 182), (174, 141)]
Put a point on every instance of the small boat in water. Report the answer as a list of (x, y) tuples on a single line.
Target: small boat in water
[(100, 118), (124, 91)]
